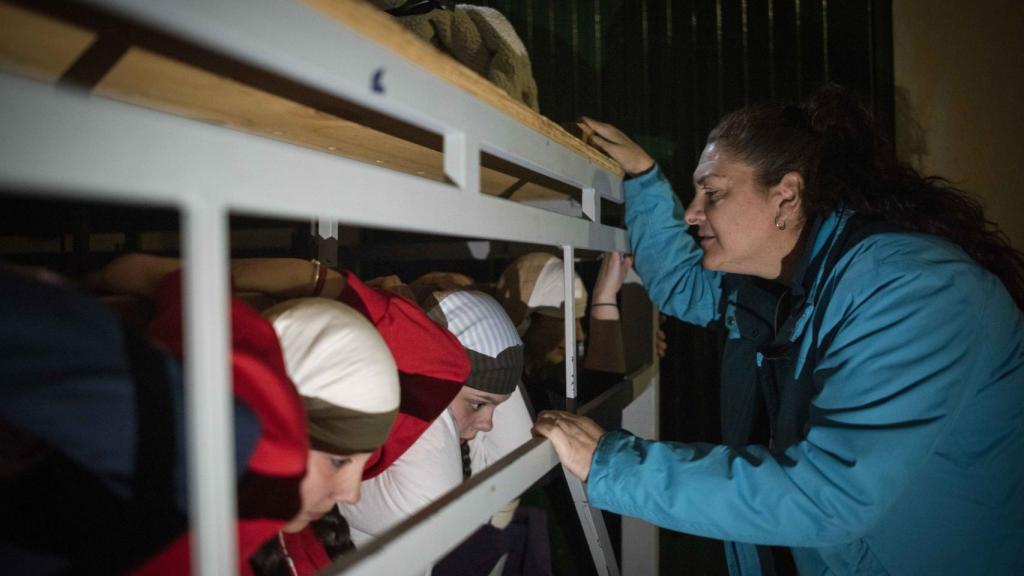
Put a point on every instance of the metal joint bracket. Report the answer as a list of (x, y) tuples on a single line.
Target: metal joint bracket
[(325, 235), (591, 201), (462, 161)]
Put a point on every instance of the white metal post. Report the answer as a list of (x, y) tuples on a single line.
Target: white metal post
[(640, 548), (594, 528), (569, 275), (640, 539), (210, 421)]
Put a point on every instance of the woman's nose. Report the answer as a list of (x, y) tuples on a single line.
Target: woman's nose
[(695, 211), (347, 489), (485, 424)]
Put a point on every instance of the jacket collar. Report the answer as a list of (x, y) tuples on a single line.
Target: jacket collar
[(821, 238)]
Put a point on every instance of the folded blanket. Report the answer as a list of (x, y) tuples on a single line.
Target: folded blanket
[(483, 40)]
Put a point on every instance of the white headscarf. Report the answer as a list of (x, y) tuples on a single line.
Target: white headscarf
[(343, 370), (535, 283)]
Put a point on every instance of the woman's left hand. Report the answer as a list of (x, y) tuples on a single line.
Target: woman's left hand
[(574, 438)]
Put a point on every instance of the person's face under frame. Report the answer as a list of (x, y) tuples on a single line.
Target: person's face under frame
[(330, 478)]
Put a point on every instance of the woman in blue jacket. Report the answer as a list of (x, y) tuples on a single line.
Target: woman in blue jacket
[(873, 375)]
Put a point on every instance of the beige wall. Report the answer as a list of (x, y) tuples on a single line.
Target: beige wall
[(959, 68)]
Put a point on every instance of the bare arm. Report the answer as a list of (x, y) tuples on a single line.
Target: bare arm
[(132, 274), (606, 352), (284, 277)]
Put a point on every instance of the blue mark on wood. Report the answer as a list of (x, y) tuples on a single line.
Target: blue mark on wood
[(377, 81)]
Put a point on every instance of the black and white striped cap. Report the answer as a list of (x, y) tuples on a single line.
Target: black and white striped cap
[(486, 332)]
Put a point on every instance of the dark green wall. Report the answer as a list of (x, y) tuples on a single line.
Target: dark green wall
[(665, 71)]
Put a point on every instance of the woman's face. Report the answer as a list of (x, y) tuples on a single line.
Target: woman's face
[(473, 411), (329, 479), (735, 217)]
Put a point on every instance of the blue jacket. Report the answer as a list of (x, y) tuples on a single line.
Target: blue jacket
[(912, 460)]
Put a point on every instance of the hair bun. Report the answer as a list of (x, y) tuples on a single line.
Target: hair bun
[(842, 122)]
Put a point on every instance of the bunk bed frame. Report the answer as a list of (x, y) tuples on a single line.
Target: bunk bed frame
[(321, 110)]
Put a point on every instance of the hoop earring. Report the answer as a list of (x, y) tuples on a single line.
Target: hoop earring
[(780, 225)]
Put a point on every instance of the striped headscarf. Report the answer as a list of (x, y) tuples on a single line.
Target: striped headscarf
[(343, 370), (485, 331), (534, 283)]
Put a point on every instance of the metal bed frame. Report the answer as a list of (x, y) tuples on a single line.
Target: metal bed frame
[(63, 142)]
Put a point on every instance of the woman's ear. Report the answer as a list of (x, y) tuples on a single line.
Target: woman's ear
[(788, 194)]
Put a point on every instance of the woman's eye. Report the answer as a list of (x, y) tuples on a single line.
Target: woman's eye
[(339, 462), (475, 406), (713, 196)]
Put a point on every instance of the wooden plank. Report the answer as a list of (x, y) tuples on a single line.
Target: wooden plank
[(155, 81), (37, 46)]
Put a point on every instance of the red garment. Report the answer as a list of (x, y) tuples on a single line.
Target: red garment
[(269, 492), (305, 551), (432, 365)]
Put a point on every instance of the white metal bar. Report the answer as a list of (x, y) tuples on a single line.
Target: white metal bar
[(566, 206), (212, 501), (292, 40), (640, 550), (569, 296), (593, 528), (63, 142), (428, 535)]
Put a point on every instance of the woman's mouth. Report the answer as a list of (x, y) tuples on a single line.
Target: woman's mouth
[(706, 239)]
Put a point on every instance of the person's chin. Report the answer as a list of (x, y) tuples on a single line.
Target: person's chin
[(296, 525), (314, 516), (711, 262)]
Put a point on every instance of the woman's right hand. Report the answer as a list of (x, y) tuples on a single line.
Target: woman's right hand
[(627, 153), (575, 439)]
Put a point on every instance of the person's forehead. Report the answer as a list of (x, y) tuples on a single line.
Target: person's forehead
[(488, 396), (710, 164), (716, 163)]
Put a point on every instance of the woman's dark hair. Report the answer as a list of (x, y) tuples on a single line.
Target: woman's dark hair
[(334, 533), (270, 560), (844, 161), (331, 530)]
